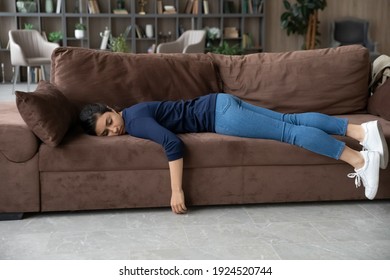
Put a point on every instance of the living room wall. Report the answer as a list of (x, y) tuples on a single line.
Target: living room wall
[(375, 11)]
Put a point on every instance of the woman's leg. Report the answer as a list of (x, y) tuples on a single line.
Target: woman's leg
[(232, 118), (328, 124)]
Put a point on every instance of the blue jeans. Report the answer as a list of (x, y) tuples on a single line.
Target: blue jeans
[(311, 131)]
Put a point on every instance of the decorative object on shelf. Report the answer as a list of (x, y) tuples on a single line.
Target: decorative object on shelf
[(302, 18), (26, 6), (230, 32), (120, 11), (213, 36), (105, 36), (152, 49), (55, 37), (149, 31), (118, 44), (169, 9), (79, 31), (49, 6), (142, 4)]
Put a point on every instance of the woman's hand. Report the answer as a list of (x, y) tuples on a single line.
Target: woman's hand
[(177, 198), (177, 202)]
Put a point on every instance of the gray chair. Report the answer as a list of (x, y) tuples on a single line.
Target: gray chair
[(350, 31), (191, 41), (29, 49)]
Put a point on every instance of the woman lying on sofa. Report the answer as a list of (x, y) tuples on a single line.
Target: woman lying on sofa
[(226, 114)]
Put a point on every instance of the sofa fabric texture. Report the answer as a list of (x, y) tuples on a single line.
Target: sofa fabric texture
[(86, 172)]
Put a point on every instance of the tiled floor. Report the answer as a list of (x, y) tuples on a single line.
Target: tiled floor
[(332, 230), (342, 230)]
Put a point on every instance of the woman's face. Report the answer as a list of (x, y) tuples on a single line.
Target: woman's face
[(110, 124)]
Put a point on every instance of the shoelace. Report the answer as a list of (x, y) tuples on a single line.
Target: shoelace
[(358, 179)]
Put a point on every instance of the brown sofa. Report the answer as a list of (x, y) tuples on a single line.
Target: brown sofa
[(53, 166)]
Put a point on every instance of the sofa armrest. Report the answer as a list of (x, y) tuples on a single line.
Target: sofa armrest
[(17, 142)]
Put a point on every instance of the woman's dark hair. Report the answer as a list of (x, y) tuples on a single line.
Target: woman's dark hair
[(89, 115)]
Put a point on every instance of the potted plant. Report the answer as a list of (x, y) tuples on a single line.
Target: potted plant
[(79, 31), (55, 37), (28, 26), (118, 44), (302, 18), (27, 6), (226, 49)]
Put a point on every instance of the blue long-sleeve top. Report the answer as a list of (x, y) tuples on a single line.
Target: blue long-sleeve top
[(161, 121)]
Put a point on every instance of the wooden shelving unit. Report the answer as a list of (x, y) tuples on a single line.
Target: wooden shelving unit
[(166, 27)]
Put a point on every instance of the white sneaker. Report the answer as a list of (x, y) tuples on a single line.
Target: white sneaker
[(369, 173), (374, 140)]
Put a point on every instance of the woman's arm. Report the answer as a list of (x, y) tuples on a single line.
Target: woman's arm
[(177, 200), (149, 128)]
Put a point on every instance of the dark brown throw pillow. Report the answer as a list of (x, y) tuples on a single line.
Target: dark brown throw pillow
[(47, 112), (379, 102)]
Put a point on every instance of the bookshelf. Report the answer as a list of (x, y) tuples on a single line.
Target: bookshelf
[(168, 19)]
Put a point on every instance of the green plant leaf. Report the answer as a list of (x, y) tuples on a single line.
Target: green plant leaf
[(287, 5)]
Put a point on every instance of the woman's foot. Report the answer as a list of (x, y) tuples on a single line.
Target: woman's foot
[(374, 140), (368, 174)]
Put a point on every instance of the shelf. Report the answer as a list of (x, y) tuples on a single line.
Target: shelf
[(117, 23)]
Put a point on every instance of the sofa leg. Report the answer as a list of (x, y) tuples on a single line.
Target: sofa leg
[(11, 216)]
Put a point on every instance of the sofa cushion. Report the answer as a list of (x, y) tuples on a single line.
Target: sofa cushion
[(331, 81), (379, 102), (47, 112), (121, 80)]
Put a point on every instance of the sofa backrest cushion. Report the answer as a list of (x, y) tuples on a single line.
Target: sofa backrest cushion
[(121, 80), (331, 81)]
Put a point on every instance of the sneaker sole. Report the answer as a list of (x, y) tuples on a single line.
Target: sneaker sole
[(371, 190), (384, 158)]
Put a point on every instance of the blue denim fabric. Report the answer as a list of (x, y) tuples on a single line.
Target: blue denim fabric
[(311, 131)]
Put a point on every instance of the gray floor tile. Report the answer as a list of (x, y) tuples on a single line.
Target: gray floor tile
[(348, 250), (358, 230), (306, 212), (259, 251)]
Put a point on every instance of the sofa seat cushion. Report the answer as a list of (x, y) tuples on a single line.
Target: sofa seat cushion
[(81, 152), (300, 81), (18, 143), (122, 79)]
